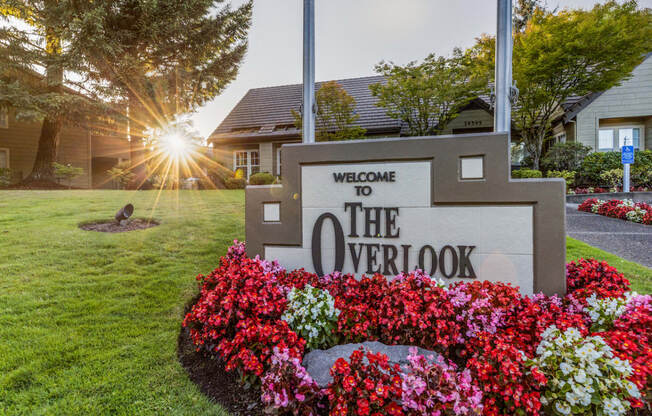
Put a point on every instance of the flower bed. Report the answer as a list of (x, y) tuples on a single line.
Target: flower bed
[(600, 190), (501, 353), (639, 212)]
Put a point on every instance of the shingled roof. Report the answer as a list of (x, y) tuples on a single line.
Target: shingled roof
[(268, 111)]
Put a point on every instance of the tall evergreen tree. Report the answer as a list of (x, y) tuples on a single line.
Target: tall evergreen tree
[(162, 57)]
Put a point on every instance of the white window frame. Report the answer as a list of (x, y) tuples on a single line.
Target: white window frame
[(6, 150), (560, 137), (278, 161), (248, 167), (616, 136), (613, 136), (4, 117)]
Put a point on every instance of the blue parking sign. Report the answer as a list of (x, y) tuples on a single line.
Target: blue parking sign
[(627, 155)]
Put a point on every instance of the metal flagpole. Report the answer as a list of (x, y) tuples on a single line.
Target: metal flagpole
[(503, 84), (308, 71)]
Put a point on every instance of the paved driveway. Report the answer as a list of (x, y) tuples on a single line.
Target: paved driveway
[(626, 239)]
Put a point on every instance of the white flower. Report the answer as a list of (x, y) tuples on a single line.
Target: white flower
[(565, 368), (632, 390), (562, 407)]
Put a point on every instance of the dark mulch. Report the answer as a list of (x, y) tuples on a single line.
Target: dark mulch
[(221, 387), (115, 227), (34, 185)]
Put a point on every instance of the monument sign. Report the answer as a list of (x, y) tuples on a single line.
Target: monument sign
[(443, 204)]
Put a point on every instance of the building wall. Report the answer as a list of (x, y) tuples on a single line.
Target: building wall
[(633, 98), (470, 119), (21, 138)]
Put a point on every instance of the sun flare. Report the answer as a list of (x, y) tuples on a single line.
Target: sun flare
[(175, 145)]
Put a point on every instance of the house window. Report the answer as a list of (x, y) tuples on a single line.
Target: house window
[(278, 162), (629, 137), (605, 139), (560, 138), (625, 135), (4, 158), (247, 161), (4, 117)]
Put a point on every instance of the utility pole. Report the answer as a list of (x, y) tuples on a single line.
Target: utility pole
[(309, 105), (503, 84)]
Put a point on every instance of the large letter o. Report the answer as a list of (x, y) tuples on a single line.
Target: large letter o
[(316, 243)]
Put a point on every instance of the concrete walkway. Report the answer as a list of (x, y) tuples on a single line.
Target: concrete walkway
[(625, 239)]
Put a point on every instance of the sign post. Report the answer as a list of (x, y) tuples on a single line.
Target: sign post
[(308, 71), (627, 158)]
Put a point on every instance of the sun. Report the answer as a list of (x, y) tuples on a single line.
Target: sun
[(174, 145)]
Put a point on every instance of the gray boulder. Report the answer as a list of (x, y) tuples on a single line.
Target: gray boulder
[(318, 363)]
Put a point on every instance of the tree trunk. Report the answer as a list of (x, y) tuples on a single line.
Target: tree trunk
[(46, 154), (136, 150), (48, 143)]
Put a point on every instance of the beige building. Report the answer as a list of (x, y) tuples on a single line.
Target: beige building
[(604, 119)]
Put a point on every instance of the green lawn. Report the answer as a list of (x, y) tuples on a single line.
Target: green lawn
[(89, 321)]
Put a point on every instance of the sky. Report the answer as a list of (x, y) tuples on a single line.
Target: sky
[(351, 37)]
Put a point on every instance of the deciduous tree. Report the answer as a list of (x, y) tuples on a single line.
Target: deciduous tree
[(429, 95), (335, 118), (568, 53)]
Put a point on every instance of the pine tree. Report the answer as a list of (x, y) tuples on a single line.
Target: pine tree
[(35, 61), (162, 58)]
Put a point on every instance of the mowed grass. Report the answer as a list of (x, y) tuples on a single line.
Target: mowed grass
[(89, 321)]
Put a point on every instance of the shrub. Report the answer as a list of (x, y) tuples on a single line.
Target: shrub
[(595, 164), (311, 313), (612, 177), (5, 177), (216, 176), (261, 178), (526, 173), (589, 380), (235, 183), (565, 157), (568, 176), (121, 174), (67, 172), (365, 387), (598, 162)]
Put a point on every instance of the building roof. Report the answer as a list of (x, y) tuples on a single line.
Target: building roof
[(268, 111)]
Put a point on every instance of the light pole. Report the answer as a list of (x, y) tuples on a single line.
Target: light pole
[(308, 115), (503, 83)]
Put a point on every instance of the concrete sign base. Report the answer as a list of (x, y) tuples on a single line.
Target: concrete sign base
[(444, 204)]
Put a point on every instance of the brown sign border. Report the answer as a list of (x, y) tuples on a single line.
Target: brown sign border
[(547, 196)]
